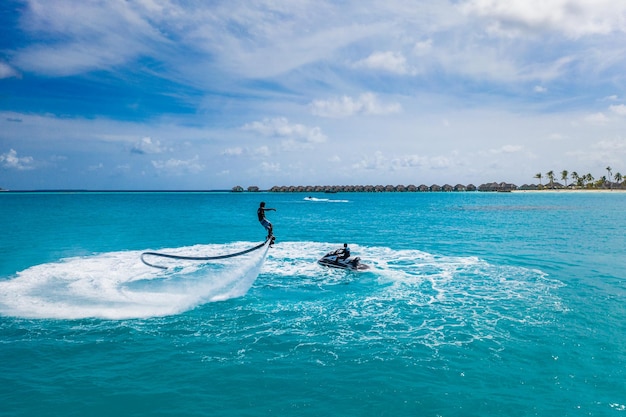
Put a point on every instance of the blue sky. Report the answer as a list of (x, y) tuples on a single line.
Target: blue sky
[(164, 94)]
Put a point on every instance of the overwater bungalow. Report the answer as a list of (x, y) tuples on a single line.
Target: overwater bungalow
[(489, 187)]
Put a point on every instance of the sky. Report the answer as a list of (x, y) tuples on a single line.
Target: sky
[(205, 95)]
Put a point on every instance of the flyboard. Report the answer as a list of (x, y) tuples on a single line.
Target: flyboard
[(270, 240)]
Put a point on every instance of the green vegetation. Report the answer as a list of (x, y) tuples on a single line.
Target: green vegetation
[(586, 181)]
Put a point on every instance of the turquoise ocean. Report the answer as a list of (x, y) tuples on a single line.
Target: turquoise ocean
[(476, 304)]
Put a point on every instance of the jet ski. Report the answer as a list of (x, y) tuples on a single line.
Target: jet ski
[(334, 260)]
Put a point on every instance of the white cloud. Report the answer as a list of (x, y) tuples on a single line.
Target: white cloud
[(262, 151), (602, 153), (492, 63), (270, 167), (573, 18), (381, 162), (540, 89), (236, 151), (147, 146), (256, 39), (409, 161), (597, 118), (507, 149), (6, 71), (123, 168), (556, 136), (423, 47), (10, 160), (280, 127), (86, 36), (179, 166), (616, 145), (439, 162), (618, 109), (374, 162), (345, 106), (389, 61)]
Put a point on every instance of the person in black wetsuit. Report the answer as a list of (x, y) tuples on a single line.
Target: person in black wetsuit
[(263, 220)]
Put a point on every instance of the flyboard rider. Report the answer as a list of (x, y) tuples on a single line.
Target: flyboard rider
[(263, 220)]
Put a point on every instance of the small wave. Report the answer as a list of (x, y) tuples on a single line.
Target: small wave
[(414, 297), (117, 285), (325, 200)]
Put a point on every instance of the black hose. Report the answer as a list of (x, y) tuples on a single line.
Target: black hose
[(201, 258)]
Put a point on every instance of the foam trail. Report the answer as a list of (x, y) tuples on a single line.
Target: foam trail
[(412, 296), (117, 285), (239, 287), (325, 200)]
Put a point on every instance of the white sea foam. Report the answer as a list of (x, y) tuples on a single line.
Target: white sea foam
[(407, 297), (325, 200), (415, 296), (118, 285)]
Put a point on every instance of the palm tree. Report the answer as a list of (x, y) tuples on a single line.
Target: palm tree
[(564, 175), (609, 170), (618, 178), (589, 178), (550, 175), (538, 176), (575, 177)]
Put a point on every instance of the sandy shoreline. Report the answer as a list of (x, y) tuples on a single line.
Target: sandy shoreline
[(620, 190)]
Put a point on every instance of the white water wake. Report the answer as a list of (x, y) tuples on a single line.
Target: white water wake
[(410, 297), (117, 285), (325, 200)]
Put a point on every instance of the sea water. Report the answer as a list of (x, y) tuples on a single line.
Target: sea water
[(476, 304)]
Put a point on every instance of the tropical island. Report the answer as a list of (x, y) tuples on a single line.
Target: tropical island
[(579, 182)]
